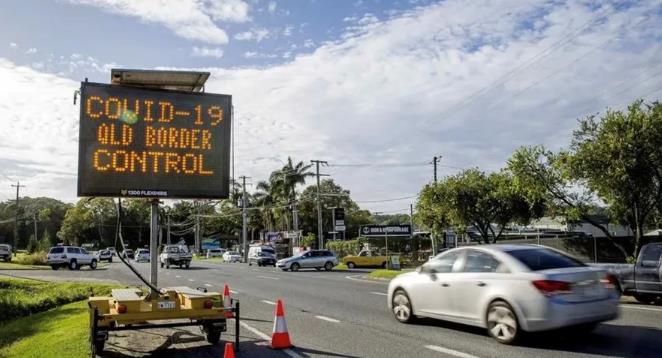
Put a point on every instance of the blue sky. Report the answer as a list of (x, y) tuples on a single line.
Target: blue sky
[(270, 33), (377, 88)]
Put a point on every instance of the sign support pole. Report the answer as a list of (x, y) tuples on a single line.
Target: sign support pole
[(153, 245)]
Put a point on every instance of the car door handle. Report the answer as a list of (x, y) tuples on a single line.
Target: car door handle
[(481, 284), (445, 285)]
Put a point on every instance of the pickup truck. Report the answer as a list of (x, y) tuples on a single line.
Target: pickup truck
[(365, 258), (175, 255), (643, 280)]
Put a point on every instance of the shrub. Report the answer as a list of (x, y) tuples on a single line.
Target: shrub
[(37, 258)]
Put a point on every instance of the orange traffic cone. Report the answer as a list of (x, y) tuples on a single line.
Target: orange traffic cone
[(280, 338), (229, 350), (227, 305)]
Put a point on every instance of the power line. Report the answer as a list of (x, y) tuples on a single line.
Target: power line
[(386, 200), (385, 164), (524, 65)]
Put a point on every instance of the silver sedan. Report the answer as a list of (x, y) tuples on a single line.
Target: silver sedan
[(506, 289)]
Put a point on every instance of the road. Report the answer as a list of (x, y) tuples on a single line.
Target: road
[(340, 314)]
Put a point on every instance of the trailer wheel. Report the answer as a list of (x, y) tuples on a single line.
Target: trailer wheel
[(167, 264), (213, 336)]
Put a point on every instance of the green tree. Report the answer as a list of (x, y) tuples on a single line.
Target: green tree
[(619, 157), (89, 221), (472, 198), (543, 176)]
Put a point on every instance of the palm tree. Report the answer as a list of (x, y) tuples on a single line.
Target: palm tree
[(265, 198)]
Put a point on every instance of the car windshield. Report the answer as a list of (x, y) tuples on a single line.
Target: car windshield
[(538, 259), (172, 249), (233, 253)]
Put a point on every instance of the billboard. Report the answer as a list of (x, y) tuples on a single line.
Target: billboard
[(138, 142), (383, 230)]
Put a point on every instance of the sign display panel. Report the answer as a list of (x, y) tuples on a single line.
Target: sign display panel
[(153, 143), (382, 230)]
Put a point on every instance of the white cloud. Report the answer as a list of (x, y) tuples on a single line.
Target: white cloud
[(288, 30), (271, 7), (309, 43), (396, 91), (190, 19), (207, 52), (253, 54), (31, 51), (13, 45), (255, 34)]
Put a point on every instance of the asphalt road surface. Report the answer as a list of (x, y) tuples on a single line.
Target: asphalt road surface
[(340, 314)]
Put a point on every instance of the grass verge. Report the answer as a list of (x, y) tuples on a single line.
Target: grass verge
[(340, 267), (211, 259), (60, 332), (15, 266), (386, 274), (22, 297)]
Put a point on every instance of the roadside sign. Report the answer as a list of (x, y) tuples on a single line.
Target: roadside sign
[(383, 230), (339, 219), (137, 142)]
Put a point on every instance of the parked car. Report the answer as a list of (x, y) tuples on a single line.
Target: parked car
[(105, 255), (142, 255), (261, 255), (70, 256), (5, 252), (128, 253), (215, 253), (643, 280), (365, 258), (506, 289), (316, 259), (232, 256), (112, 250), (175, 255)]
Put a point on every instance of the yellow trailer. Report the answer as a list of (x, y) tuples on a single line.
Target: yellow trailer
[(133, 309)]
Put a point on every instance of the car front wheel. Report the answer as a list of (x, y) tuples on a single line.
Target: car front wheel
[(502, 322), (402, 307), (351, 265), (93, 264)]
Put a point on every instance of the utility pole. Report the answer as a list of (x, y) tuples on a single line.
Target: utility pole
[(18, 186), (295, 222), (411, 220), (197, 228), (333, 222), (168, 229), (34, 217), (435, 159), (320, 234), (244, 217)]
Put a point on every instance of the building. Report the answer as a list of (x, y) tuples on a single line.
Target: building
[(560, 224)]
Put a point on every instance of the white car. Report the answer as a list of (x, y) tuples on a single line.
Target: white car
[(231, 256), (506, 289), (215, 253), (70, 256), (105, 255), (142, 255)]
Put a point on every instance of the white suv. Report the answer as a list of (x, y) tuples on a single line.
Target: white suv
[(70, 256)]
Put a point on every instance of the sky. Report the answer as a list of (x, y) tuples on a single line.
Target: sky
[(376, 88)]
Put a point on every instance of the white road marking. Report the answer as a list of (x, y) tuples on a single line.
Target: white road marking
[(269, 277), (208, 285), (379, 293), (642, 308), (353, 278), (178, 276), (192, 280), (255, 269), (269, 302), (328, 319), (450, 351), (233, 291), (266, 337)]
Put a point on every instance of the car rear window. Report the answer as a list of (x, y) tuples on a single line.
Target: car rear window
[(537, 259), (57, 250)]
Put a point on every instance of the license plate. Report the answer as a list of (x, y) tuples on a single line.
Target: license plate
[(166, 305)]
